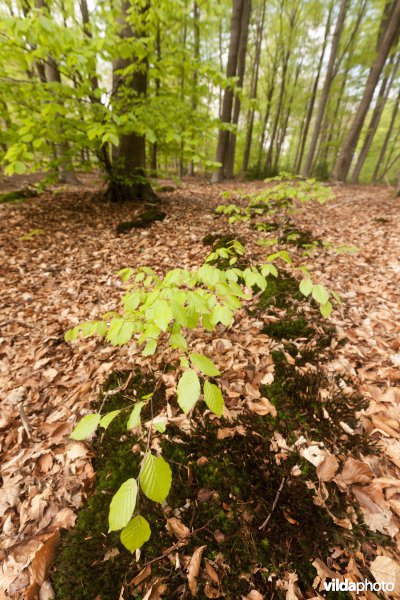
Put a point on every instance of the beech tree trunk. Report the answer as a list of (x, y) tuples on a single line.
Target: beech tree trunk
[(241, 67), (374, 122), (387, 138), (196, 56), (311, 102), (345, 157), (227, 103), (326, 89), (254, 88), (128, 180)]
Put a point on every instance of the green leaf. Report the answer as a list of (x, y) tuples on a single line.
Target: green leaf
[(150, 348), (108, 418), (326, 309), (120, 332), (306, 286), (162, 314), (155, 478), (122, 505), (134, 417), (86, 427), (188, 390), (337, 298), (204, 364), (213, 398), (136, 533), (177, 340), (160, 423), (320, 294)]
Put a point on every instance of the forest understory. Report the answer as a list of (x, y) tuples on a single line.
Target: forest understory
[(297, 483)]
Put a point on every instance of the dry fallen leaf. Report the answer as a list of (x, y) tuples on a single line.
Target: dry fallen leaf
[(355, 471), (194, 569), (386, 570), (327, 469), (177, 528), (263, 407), (44, 558)]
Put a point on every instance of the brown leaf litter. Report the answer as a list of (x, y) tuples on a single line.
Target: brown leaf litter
[(54, 280)]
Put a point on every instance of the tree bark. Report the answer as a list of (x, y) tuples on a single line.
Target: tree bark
[(128, 179), (387, 138), (241, 67), (227, 103), (196, 56), (311, 102), (254, 88), (326, 89), (375, 119), (345, 157)]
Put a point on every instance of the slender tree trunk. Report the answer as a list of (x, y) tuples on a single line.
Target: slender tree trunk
[(387, 138), (268, 160), (154, 146), (196, 56), (375, 119), (311, 102), (345, 157), (227, 103), (254, 88), (326, 89), (282, 135), (65, 168), (241, 67), (129, 181), (183, 72), (270, 94)]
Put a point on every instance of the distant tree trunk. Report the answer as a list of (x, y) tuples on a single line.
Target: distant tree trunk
[(326, 89), (196, 56), (65, 168), (311, 102), (375, 119), (227, 103), (387, 138), (285, 122), (241, 67), (345, 157), (254, 88), (128, 180), (270, 93), (182, 95), (154, 146)]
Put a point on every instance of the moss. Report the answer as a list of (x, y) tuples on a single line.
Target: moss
[(288, 329), (233, 491), (18, 195), (280, 292), (80, 572)]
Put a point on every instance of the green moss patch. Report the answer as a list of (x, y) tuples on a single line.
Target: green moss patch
[(144, 220)]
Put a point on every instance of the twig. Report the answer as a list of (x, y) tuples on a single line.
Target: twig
[(278, 493), (24, 420), (179, 542)]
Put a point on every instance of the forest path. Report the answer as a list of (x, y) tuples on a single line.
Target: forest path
[(63, 272)]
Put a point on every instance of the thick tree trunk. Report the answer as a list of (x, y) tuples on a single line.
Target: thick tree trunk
[(227, 103), (374, 122), (345, 157), (128, 180), (254, 88), (326, 89), (241, 67), (387, 138)]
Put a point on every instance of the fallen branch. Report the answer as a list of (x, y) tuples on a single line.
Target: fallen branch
[(278, 493)]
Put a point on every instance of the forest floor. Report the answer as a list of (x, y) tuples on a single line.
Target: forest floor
[(59, 256)]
